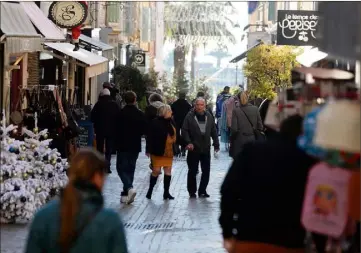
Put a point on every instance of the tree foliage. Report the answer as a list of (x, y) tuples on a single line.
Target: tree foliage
[(129, 78), (268, 67)]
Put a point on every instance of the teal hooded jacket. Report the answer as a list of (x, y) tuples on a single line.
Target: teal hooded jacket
[(103, 234)]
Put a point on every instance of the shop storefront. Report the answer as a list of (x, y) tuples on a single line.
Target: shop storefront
[(18, 37), (83, 66)]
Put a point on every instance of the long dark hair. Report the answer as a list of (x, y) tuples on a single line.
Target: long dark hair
[(84, 165)]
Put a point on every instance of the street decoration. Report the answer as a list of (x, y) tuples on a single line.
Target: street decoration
[(198, 23)]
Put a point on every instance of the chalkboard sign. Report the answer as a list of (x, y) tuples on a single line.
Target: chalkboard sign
[(86, 135)]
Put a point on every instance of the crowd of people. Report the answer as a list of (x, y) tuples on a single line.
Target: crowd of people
[(261, 199), (169, 131)]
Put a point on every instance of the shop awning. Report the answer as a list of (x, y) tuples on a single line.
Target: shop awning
[(19, 32), (244, 54), (96, 64), (107, 50), (310, 56), (44, 25)]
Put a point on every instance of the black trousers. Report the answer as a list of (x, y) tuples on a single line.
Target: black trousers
[(109, 145), (193, 160)]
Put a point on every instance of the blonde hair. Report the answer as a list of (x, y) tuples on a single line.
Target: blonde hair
[(163, 110), (243, 98), (84, 165)]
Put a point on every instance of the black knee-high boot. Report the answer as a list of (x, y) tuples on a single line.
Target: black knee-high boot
[(152, 182), (166, 194)]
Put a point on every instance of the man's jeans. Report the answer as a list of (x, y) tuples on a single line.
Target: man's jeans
[(193, 160), (126, 162), (109, 145)]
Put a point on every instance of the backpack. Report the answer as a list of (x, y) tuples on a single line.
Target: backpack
[(325, 206), (220, 100)]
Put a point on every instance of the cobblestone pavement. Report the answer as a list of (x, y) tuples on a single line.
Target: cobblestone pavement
[(157, 226)]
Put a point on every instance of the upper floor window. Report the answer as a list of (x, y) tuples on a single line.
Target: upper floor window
[(113, 12)]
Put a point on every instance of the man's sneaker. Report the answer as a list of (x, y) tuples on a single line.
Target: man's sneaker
[(123, 199), (203, 195), (131, 196)]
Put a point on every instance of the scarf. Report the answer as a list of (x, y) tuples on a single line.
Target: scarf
[(168, 124)]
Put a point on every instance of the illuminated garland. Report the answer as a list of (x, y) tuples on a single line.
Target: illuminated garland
[(198, 23)]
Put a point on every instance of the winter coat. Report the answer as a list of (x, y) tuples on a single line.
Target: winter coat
[(264, 187), (241, 129), (131, 125), (191, 133), (180, 109), (157, 136), (103, 116), (104, 234)]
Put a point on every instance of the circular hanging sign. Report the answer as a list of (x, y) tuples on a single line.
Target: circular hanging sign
[(139, 58), (68, 14)]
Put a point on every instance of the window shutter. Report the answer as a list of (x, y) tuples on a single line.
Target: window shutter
[(153, 30), (146, 24), (271, 11), (113, 9), (128, 25)]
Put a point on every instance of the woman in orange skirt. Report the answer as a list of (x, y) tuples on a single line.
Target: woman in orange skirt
[(160, 139)]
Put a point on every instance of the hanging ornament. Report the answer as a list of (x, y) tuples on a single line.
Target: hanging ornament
[(45, 136), (38, 189), (32, 146), (15, 131), (23, 148), (12, 150), (36, 154), (50, 175), (35, 130), (59, 160), (53, 162), (25, 176), (23, 199)]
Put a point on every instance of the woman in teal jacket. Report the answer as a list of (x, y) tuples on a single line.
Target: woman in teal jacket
[(77, 221)]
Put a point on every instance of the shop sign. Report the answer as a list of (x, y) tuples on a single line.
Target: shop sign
[(297, 28), (68, 14), (139, 59)]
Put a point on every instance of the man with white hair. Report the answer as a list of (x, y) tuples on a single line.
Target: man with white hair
[(103, 116), (197, 130)]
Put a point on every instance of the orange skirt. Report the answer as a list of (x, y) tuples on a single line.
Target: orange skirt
[(161, 161), (255, 247)]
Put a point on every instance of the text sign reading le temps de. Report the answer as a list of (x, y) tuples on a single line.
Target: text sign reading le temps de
[(297, 28)]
